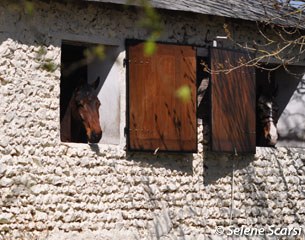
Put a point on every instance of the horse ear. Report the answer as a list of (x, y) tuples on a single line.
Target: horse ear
[(96, 83)]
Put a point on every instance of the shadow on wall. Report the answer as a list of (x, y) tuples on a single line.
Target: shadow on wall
[(182, 163), (272, 188), (220, 165), (23, 28), (264, 185)]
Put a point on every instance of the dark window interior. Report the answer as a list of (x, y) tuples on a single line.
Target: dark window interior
[(203, 96), (73, 72)]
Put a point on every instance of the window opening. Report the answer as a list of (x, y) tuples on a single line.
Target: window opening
[(89, 93)]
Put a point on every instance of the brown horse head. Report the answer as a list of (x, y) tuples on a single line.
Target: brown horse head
[(267, 111), (87, 110)]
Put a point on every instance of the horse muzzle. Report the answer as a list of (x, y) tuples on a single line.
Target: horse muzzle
[(95, 137), (272, 140)]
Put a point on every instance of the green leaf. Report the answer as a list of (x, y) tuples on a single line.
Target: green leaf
[(149, 48), (49, 66), (4, 221), (41, 52), (29, 8), (95, 52), (99, 51), (184, 93)]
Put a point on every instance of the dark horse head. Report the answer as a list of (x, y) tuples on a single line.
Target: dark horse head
[(86, 110), (267, 117)]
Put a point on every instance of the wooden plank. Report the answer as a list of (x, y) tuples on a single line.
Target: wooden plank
[(158, 119), (233, 103)]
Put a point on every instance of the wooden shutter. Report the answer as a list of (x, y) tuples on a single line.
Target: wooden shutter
[(233, 103), (157, 118)]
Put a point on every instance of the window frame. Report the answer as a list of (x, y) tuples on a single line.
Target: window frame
[(94, 67)]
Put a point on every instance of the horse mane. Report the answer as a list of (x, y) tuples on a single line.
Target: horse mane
[(74, 129)]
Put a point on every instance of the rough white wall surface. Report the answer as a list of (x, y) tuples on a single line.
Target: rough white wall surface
[(52, 190)]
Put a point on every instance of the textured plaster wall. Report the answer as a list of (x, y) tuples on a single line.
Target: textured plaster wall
[(54, 190)]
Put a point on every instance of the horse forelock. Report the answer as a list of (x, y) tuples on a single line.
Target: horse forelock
[(267, 107), (84, 92)]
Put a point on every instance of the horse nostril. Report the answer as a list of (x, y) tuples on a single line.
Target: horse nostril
[(271, 141), (95, 137)]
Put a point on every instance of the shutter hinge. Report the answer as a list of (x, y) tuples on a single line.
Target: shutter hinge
[(126, 131), (125, 62)]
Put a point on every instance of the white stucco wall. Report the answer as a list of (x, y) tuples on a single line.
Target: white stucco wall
[(291, 124), (111, 72), (56, 190)]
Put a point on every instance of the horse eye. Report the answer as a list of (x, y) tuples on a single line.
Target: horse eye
[(79, 104)]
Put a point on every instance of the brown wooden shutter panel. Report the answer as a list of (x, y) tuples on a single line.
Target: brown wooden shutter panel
[(233, 103), (158, 119)]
